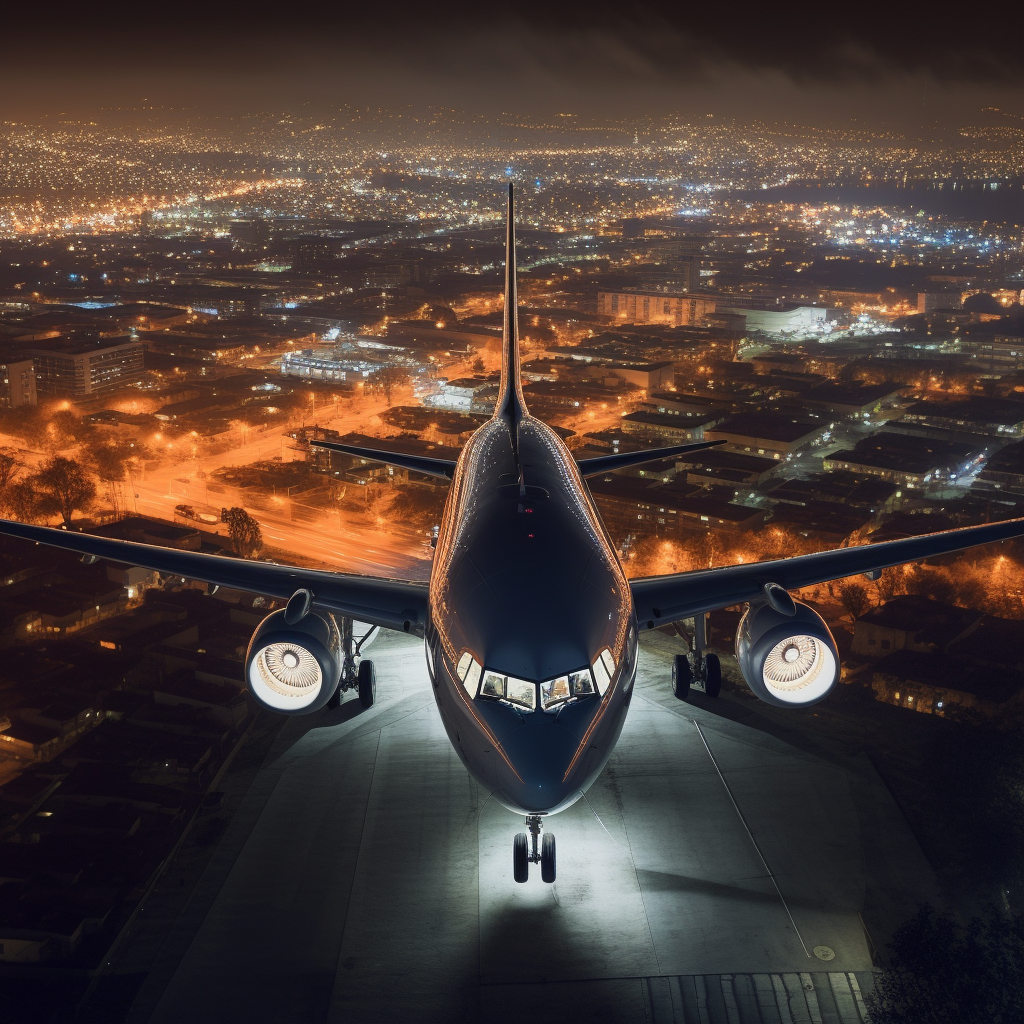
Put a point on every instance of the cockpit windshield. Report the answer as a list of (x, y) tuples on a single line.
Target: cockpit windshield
[(522, 693), (565, 688)]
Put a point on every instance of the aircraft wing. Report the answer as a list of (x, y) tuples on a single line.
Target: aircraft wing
[(395, 604), (417, 463), (662, 599), (608, 463)]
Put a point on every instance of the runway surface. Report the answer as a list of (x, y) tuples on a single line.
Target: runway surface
[(365, 877)]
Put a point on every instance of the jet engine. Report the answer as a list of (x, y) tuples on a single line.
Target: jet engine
[(294, 667), (786, 652)]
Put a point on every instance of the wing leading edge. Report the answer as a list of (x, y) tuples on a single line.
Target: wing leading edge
[(394, 604), (663, 599)]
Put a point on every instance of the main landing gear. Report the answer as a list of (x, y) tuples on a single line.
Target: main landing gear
[(356, 673), (700, 669), (525, 851)]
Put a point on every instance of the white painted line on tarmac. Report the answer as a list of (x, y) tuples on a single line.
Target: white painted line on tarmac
[(753, 841)]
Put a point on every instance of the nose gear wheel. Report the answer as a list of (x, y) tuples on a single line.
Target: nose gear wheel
[(531, 849)]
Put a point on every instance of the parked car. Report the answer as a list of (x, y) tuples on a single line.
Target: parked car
[(188, 512)]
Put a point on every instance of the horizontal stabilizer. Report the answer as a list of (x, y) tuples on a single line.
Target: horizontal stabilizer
[(417, 463), (609, 463)]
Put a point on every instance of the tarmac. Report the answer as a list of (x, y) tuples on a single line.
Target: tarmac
[(714, 873)]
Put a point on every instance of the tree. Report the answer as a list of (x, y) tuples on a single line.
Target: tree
[(975, 770), (63, 486), (65, 429), (387, 378), (983, 302), (20, 501), (10, 466), (854, 598), (111, 460), (443, 316), (244, 531), (889, 583), (940, 973)]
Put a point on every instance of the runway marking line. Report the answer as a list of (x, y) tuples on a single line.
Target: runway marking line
[(743, 822)]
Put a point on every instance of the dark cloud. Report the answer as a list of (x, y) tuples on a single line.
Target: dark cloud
[(897, 60)]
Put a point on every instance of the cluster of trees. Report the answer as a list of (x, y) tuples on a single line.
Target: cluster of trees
[(50, 430), (62, 485), (990, 583), (387, 380), (942, 973), (244, 531), (59, 487), (704, 549), (977, 784)]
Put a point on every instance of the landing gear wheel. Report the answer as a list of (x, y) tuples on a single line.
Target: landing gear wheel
[(682, 676), (367, 684), (521, 857), (712, 675), (547, 857), (335, 699)]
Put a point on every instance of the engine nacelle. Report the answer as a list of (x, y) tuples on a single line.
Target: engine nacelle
[(294, 669), (789, 660)]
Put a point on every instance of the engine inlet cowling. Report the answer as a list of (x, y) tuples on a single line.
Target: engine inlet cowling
[(786, 660), (294, 668)]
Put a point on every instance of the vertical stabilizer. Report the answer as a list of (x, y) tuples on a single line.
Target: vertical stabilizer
[(510, 394)]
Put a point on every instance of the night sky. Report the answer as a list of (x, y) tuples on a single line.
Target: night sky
[(900, 63)]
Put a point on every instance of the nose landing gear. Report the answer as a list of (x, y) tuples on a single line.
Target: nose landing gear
[(525, 851)]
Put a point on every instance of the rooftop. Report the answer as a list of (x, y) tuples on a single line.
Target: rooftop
[(768, 426)]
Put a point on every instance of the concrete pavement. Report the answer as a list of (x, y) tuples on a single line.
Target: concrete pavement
[(365, 877)]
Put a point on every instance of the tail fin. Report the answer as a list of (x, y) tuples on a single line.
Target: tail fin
[(510, 394)]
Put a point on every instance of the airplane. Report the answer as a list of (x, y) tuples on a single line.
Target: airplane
[(530, 625)]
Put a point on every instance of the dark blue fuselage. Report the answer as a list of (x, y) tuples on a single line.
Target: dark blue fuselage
[(526, 581)]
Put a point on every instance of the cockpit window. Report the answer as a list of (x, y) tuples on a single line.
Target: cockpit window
[(602, 675), (521, 692), (494, 685), (468, 670), (554, 691), (609, 662), (582, 683)]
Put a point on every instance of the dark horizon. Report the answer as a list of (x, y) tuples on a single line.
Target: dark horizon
[(902, 67)]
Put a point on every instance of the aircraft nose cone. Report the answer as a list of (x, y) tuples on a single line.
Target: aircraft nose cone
[(541, 754)]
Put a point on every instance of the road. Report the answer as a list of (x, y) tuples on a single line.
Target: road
[(348, 541)]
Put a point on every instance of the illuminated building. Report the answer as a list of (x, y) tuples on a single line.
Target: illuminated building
[(18, 385), (86, 367), (776, 319), (655, 307)]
